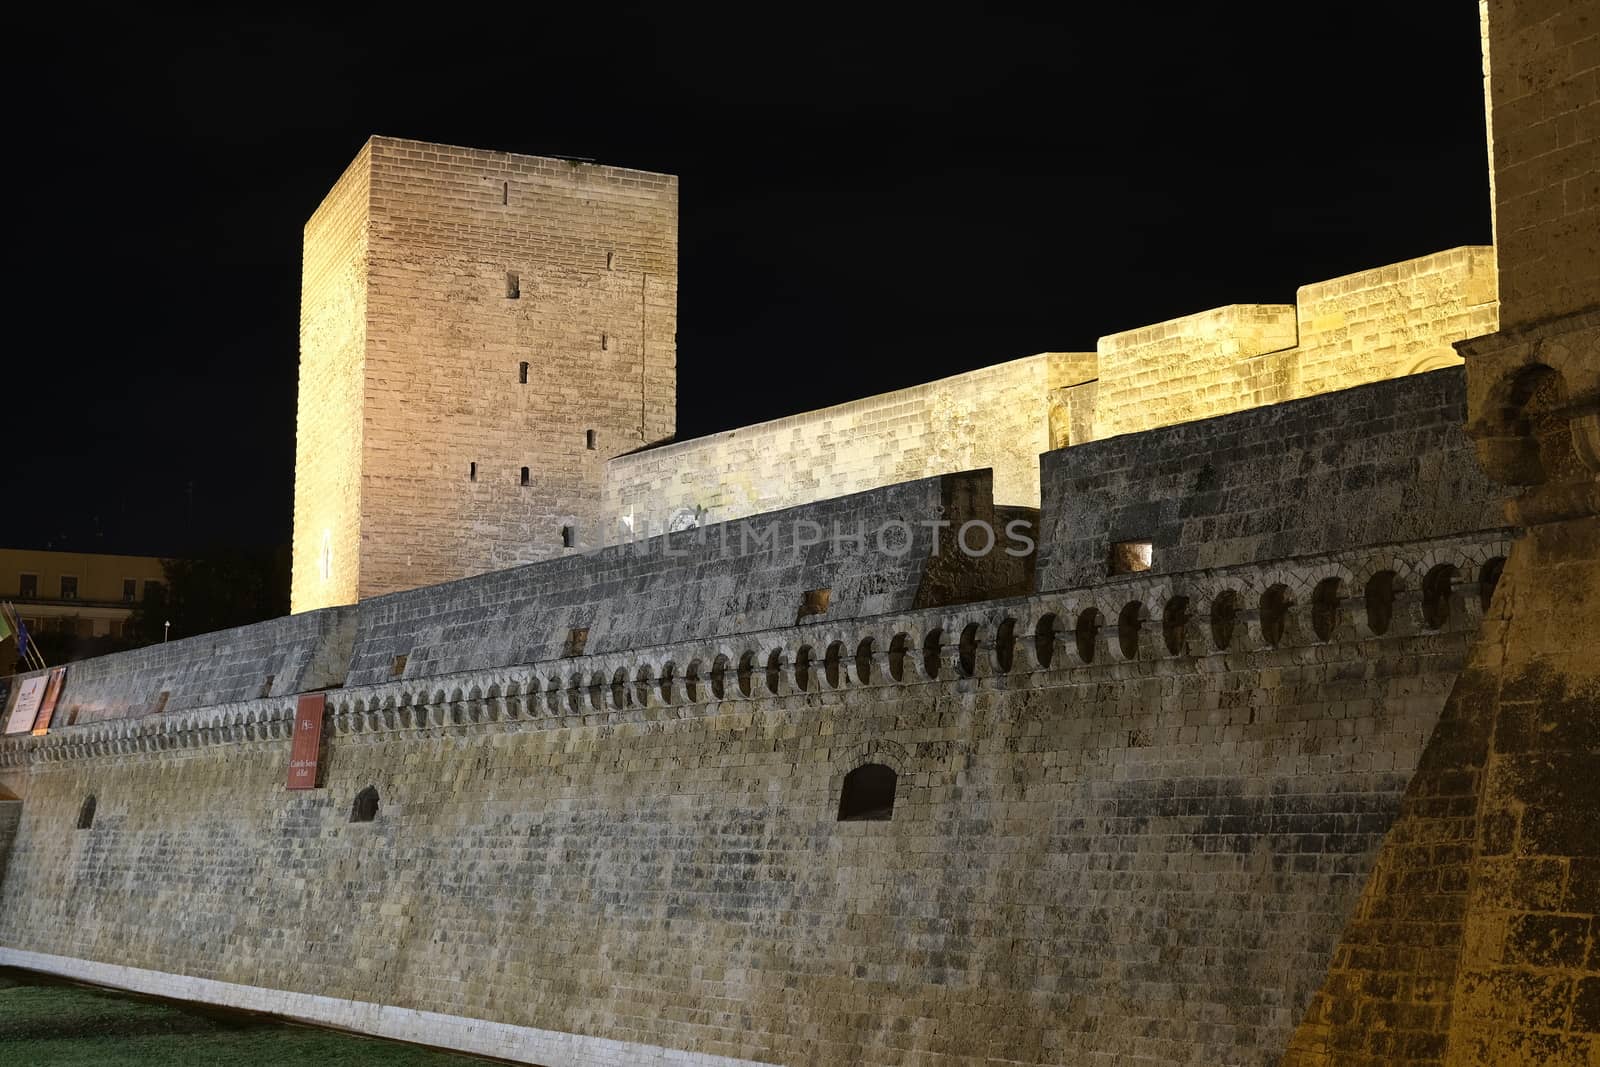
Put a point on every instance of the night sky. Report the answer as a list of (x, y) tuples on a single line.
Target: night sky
[(868, 202)]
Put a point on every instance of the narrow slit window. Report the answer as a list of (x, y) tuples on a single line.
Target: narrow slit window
[(513, 285), (605, 342), (524, 476), (472, 472), (611, 259), (522, 372), (505, 192), (86, 813)]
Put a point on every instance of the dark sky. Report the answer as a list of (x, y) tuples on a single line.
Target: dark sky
[(867, 202)]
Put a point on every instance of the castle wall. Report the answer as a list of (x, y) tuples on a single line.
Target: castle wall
[(293, 654), (1544, 111), (1099, 850), (446, 422), (997, 417), (1369, 326), (868, 553), (1386, 462), (330, 411)]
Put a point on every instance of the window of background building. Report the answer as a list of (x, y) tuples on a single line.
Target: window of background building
[(69, 587), (28, 585), (130, 590)]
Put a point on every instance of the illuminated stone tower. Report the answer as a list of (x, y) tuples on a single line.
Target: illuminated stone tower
[(479, 333)]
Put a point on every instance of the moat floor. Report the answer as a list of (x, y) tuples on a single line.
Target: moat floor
[(47, 1024)]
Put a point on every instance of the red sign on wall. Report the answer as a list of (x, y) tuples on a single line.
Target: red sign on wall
[(307, 741)]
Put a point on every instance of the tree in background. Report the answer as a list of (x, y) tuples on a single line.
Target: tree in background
[(222, 588)]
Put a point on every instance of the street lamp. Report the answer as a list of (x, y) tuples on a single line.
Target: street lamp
[(164, 628)]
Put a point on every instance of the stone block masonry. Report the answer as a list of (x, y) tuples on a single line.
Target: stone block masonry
[(1386, 462), (480, 332), (1138, 844)]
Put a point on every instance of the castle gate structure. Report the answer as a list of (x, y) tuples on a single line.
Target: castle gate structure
[(1273, 738)]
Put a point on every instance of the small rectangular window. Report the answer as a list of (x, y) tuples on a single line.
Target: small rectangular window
[(266, 687), (130, 589), (1127, 557), (589, 439), (522, 373), (398, 667), (505, 192), (815, 602), (28, 585), (569, 537), (472, 472), (513, 285), (524, 475), (605, 341), (611, 259), (161, 702), (577, 638), (69, 587)]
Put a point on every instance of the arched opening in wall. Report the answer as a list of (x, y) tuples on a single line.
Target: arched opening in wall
[(967, 651), (1274, 614), (864, 661), (719, 673), (747, 672), (1044, 640), (86, 813), (691, 681), (1532, 411), (365, 808), (1224, 615), (898, 647), (802, 668), (1437, 585), (830, 664), (1325, 608), (1175, 625), (1128, 623), (665, 685), (1005, 645), (774, 670), (868, 794), (1379, 596), (1086, 633), (619, 689), (1488, 578), (930, 652), (641, 687)]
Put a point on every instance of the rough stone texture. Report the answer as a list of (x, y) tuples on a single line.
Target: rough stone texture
[(1386, 462), (412, 348), (1542, 65), (880, 440), (1476, 940), (707, 582), (294, 654), (10, 819), (1369, 326), (1395, 320), (328, 420), (1134, 854)]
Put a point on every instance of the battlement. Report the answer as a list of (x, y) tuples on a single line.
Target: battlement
[(1371, 326)]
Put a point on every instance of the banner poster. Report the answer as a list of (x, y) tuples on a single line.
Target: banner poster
[(52, 696), (307, 743), (30, 692)]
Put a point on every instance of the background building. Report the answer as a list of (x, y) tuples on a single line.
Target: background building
[(83, 594)]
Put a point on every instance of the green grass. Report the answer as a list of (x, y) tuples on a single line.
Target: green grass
[(49, 1024)]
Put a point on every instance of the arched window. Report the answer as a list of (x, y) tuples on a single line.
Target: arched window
[(365, 809), (86, 813), (868, 794)]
